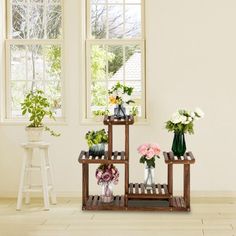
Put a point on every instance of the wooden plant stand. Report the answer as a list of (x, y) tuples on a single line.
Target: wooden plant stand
[(136, 197)]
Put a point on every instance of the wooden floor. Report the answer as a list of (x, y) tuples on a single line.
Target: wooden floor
[(209, 217)]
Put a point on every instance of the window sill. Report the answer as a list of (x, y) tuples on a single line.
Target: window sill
[(19, 122), (140, 122)]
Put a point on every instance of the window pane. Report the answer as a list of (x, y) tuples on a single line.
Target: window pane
[(133, 63), (52, 62), (132, 21), (36, 26), (54, 27), (115, 64), (132, 1), (115, 1), (98, 21), (98, 1), (98, 63), (35, 62), (115, 21), (19, 21), (18, 91), (18, 62), (98, 95)]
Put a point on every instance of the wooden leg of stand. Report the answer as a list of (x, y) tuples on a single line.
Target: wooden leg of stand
[(187, 185), (170, 183), (85, 187)]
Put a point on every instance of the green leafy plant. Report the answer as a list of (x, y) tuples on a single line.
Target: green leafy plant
[(37, 106), (182, 121), (134, 111), (96, 137), (100, 113)]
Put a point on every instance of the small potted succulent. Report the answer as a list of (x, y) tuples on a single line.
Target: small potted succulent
[(99, 115), (37, 106), (96, 141), (180, 123), (119, 95)]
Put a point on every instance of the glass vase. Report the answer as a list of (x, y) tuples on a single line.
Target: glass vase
[(149, 176), (179, 145), (107, 192), (97, 150), (119, 111)]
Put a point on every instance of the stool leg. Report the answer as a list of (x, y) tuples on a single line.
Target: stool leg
[(28, 175), (44, 181), (22, 178), (51, 177)]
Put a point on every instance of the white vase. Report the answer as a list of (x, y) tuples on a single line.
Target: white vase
[(149, 176), (34, 134), (107, 192)]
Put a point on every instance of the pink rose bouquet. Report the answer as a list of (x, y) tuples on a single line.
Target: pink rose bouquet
[(149, 152), (107, 173)]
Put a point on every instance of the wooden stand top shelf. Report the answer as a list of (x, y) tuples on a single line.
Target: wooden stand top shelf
[(187, 158), (116, 158), (111, 120)]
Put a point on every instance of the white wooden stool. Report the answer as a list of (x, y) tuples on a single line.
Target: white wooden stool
[(45, 169)]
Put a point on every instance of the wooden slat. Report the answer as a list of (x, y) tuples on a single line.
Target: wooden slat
[(185, 157), (122, 155), (89, 202), (95, 200), (122, 201), (115, 155), (182, 202), (178, 202), (99, 201), (81, 155), (131, 188), (171, 156), (86, 155), (159, 189), (117, 200), (136, 188), (148, 191), (166, 156), (142, 188), (165, 189)]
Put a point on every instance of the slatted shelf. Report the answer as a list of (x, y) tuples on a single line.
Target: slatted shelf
[(95, 203), (117, 157), (157, 191), (187, 158), (114, 121)]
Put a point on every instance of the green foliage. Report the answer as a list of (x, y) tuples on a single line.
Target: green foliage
[(100, 113), (37, 106), (134, 111), (150, 162), (96, 137), (54, 56), (179, 127)]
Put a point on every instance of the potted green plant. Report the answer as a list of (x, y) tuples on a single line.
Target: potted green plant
[(96, 141), (119, 95), (134, 112), (37, 106), (99, 115)]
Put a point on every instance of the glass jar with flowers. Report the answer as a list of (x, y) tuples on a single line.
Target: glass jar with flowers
[(119, 95), (149, 152), (107, 175), (180, 123)]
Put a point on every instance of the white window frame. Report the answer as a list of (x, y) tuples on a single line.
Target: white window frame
[(141, 42), (7, 116)]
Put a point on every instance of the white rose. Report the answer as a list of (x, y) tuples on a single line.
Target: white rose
[(183, 119), (192, 115), (190, 118), (199, 113), (176, 118)]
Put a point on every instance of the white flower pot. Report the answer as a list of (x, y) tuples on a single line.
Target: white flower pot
[(34, 134)]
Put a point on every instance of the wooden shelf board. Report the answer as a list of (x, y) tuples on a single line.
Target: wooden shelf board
[(111, 120), (117, 158), (95, 203), (157, 191), (187, 158)]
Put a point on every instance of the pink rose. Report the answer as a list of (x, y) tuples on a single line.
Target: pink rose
[(156, 149), (106, 177), (150, 154), (143, 149)]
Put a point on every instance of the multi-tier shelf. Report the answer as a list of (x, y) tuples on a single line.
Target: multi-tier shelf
[(136, 196)]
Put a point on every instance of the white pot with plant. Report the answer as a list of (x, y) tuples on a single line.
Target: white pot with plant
[(96, 141), (37, 106)]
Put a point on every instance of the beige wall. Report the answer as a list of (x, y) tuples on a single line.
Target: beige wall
[(191, 58)]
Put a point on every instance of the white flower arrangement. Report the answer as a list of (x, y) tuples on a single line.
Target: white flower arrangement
[(182, 120)]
